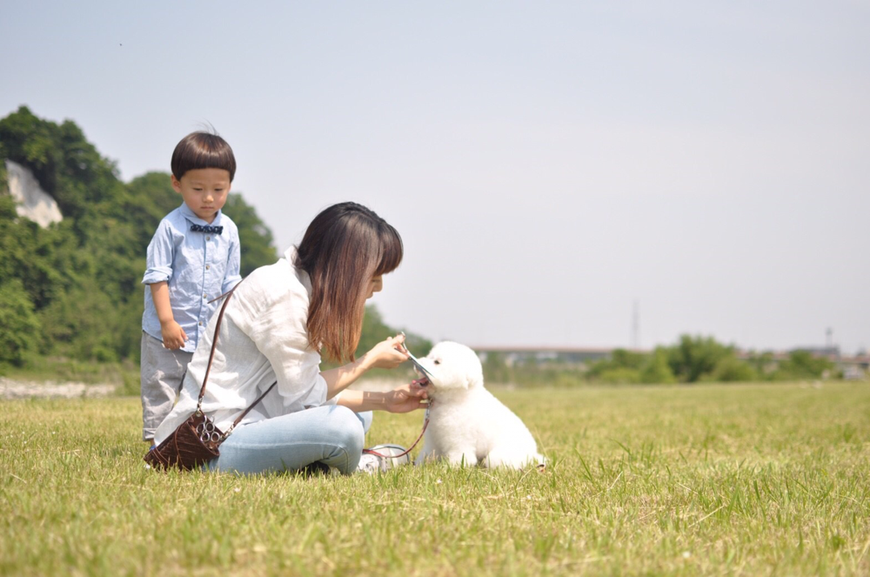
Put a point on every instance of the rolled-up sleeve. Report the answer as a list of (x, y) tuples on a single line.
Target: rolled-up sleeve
[(234, 259), (160, 256)]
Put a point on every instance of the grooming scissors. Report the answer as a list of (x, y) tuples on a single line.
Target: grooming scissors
[(414, 360)]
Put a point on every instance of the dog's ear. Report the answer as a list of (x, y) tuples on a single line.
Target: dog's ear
[(467, 382), (473, 380), (474, 377)]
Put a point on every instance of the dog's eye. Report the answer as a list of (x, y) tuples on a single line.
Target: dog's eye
[(437, 362)]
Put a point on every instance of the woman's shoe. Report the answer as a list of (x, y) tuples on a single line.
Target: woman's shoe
[(382, 458)]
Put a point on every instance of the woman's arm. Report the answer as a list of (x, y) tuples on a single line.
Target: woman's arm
[(383, 355), (404, 399)]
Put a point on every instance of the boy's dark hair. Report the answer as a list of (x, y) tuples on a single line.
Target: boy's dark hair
[(202, 150)]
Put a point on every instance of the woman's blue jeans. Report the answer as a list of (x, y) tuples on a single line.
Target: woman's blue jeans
[(331, 434)]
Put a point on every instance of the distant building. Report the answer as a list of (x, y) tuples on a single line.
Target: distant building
[(557, 355), (854, 367)]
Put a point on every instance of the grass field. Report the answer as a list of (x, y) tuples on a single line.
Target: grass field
[(702, 480)]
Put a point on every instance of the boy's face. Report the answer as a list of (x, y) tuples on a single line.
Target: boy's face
[(204, 190)]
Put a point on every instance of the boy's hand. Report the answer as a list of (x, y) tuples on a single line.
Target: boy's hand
[(173, 335)]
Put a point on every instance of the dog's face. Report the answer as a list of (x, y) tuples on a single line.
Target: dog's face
[(453, 367)]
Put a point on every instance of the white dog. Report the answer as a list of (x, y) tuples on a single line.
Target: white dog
[(467, 424)]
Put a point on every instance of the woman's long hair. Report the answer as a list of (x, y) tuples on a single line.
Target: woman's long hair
[(344, 247)]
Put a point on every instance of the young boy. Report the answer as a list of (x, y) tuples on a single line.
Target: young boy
[(192, 259)]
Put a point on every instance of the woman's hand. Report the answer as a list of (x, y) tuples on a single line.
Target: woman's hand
[(386, 354), (402, 399), (406, 398)]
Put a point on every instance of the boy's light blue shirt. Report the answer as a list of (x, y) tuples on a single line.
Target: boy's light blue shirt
[(198, 266)]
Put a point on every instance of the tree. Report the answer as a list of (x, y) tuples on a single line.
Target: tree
[(19, 328), (375, 330), (694, 357), (27, 253), (803, 365), (657, 369), (763, 364), (619, 360), (150, 197), (732, 369), (256, 238), (27, 140)]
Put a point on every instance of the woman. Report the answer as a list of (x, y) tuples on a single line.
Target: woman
[(274, 326)]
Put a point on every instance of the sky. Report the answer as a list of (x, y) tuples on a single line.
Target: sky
[(556, 169)]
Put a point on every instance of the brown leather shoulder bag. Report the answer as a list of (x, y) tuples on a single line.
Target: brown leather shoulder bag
[(196, 441)]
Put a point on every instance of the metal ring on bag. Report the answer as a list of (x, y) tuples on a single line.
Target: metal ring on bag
[(207, 432)]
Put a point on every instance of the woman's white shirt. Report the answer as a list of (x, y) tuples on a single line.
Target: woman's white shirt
[(263, 339)]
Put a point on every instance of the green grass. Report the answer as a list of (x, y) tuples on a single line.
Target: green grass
[(712, 479)]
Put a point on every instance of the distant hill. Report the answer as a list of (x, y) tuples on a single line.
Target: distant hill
[(72, 288)]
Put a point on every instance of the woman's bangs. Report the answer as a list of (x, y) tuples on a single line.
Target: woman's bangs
[(391, 252)]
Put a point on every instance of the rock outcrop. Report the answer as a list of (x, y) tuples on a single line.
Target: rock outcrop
[(32, 202)]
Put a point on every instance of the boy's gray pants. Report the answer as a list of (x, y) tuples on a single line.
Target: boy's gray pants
[(162, 372)]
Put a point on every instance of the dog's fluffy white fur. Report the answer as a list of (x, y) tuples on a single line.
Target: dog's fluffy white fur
[(467, 424)]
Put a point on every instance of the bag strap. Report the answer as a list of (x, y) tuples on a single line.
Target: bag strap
[(246, 411), (217, 329)]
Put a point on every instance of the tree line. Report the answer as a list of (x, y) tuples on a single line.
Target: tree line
[(692, 359)]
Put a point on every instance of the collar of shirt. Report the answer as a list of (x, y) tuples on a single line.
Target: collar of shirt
[(290, 256), (189, 215)]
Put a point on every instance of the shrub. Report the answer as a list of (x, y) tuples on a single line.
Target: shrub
[(621, 376), (732, 369), (657, 369), (20, 330)]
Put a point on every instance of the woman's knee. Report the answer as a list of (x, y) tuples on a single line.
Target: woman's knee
[(366, 418), (347, 429)]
